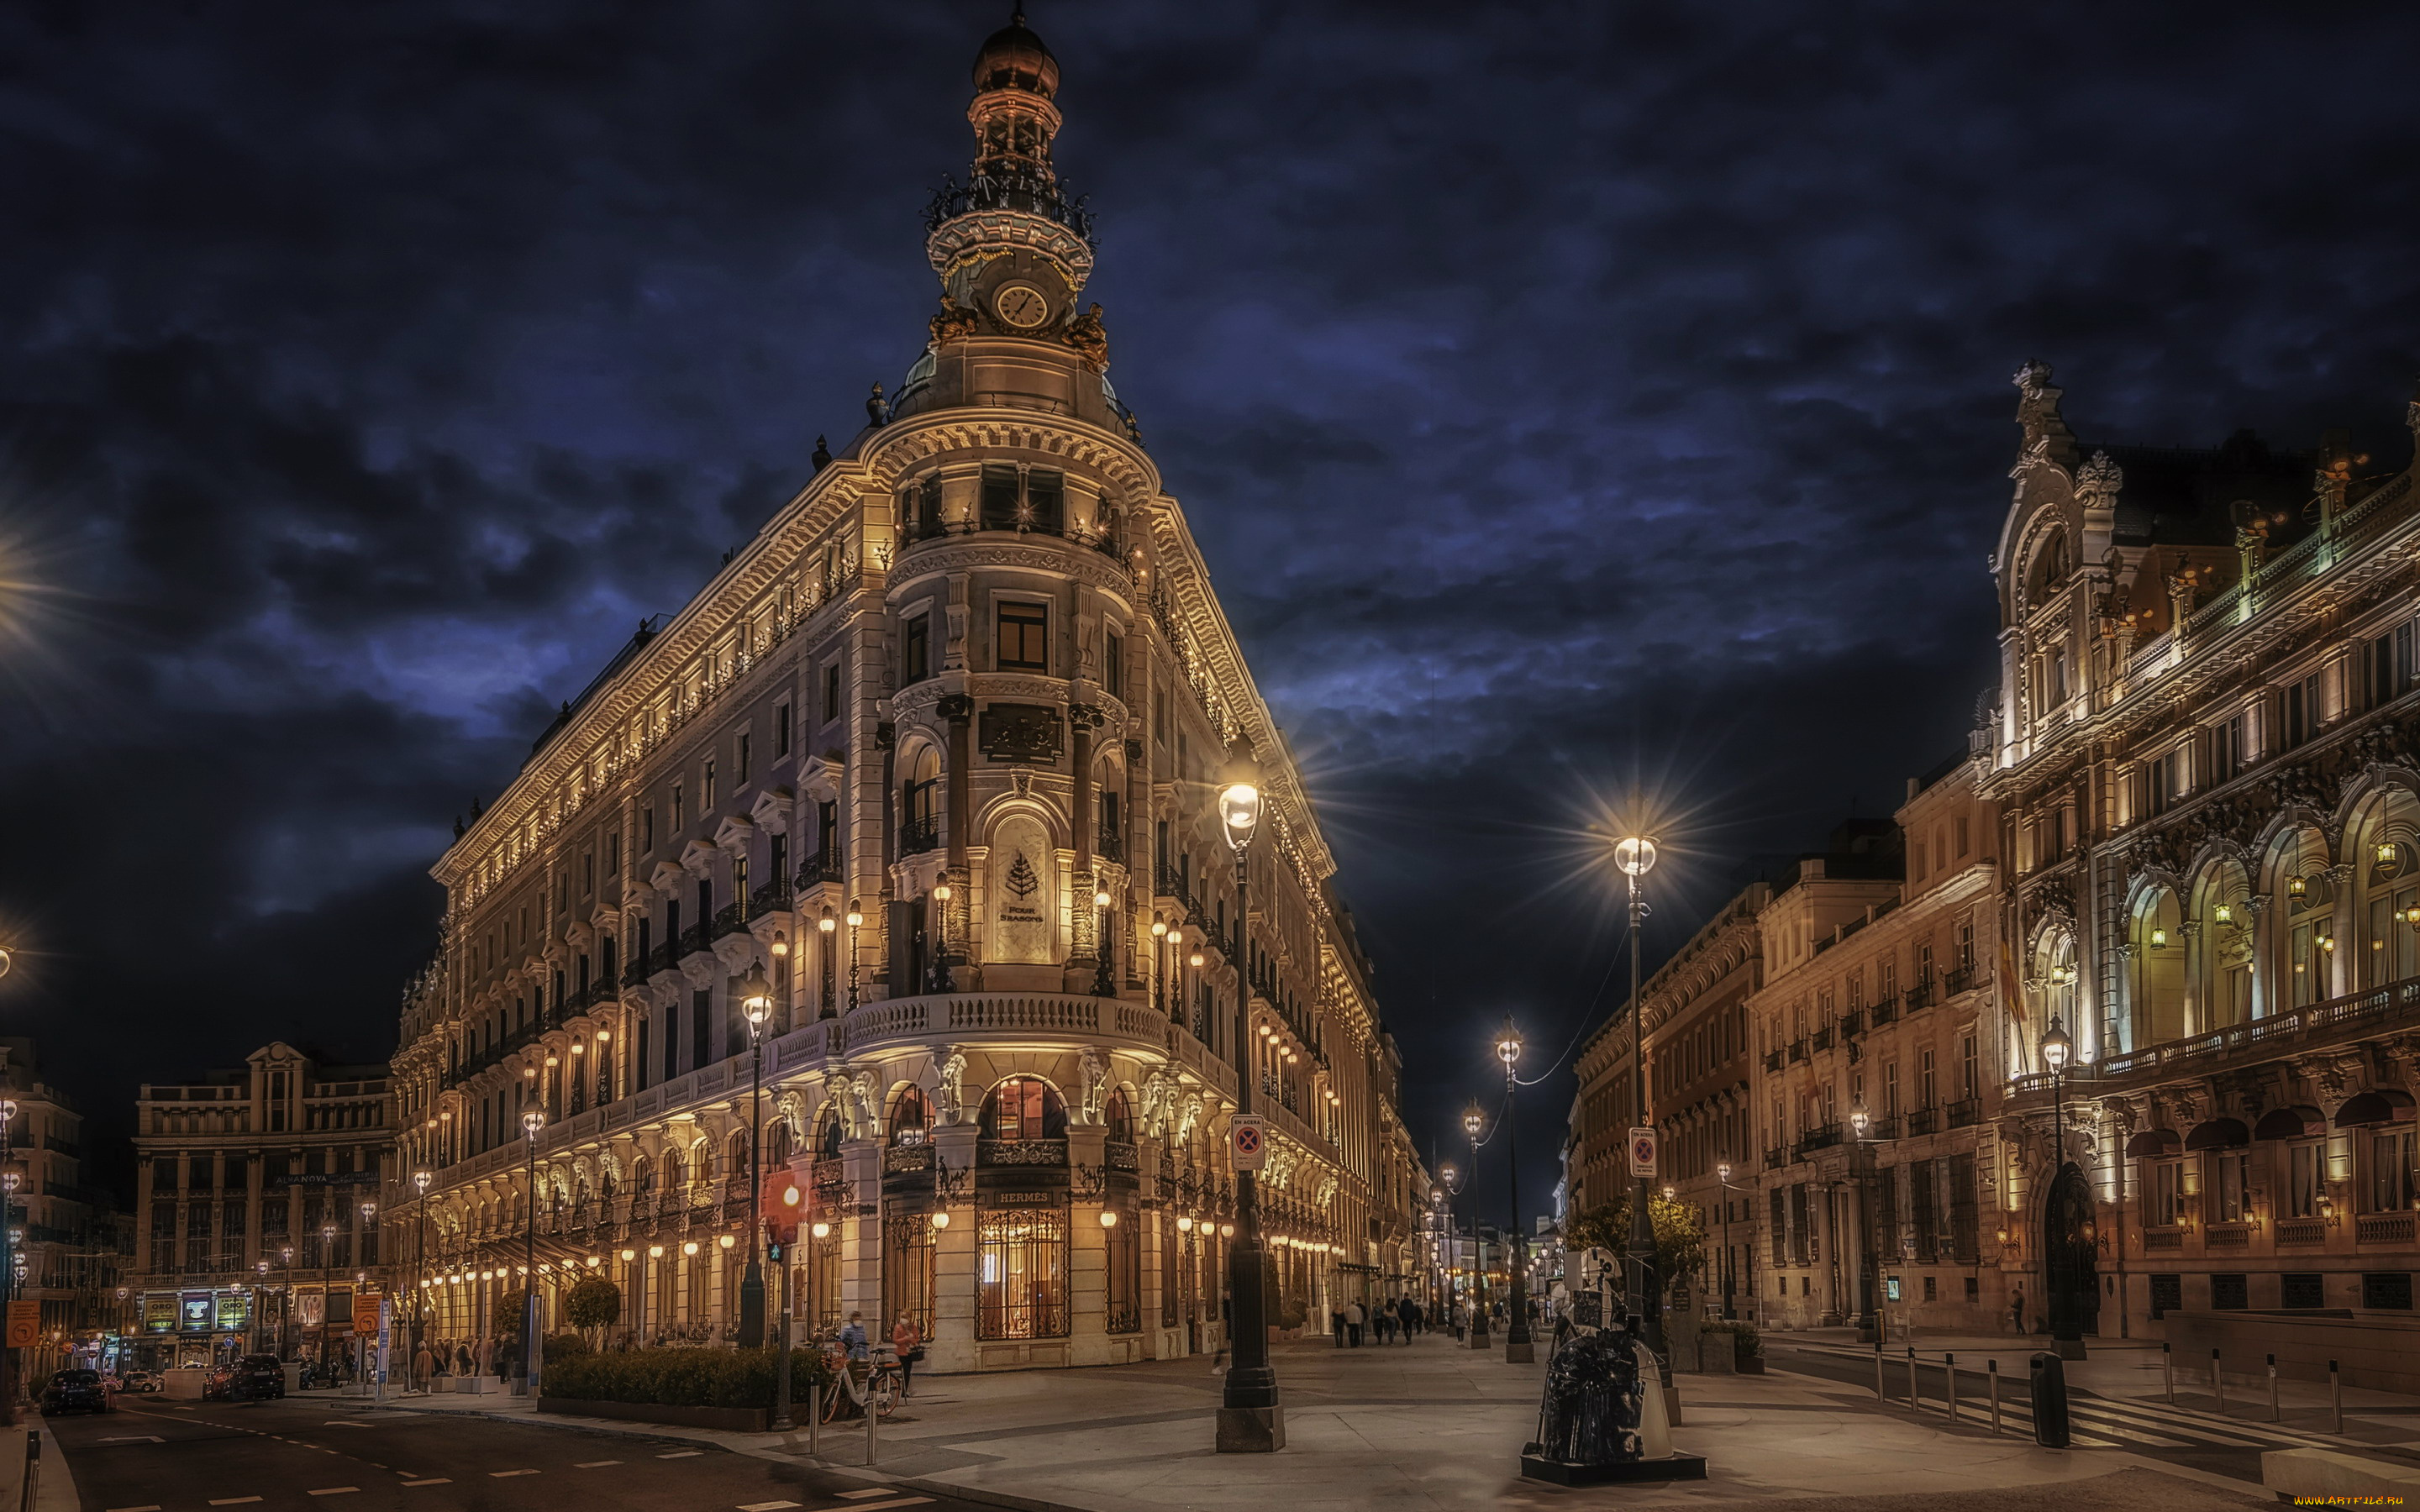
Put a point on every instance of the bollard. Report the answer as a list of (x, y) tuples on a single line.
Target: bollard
[(1880, 1395), (1950, 1378), (2273, 1414), (869, 1415), (1991, 1375), (33, 1471), (1915, 1403), (2049, 1386), (2336, 1396), (815, 1418), (2169, 1370), (2217, 1380)]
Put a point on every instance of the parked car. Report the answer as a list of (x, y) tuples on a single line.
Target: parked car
[(139, 1382), (257, 1378), (75, 1391), (219, 1383)]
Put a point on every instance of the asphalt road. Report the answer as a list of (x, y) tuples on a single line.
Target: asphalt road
[(161, 1456)]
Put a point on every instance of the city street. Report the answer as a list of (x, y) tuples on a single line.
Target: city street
[(164, 1456)]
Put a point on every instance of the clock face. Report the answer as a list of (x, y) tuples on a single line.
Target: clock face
[(1021, 306)]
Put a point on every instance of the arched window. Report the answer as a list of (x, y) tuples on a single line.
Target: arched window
[(1024, 1107), (1119, 1116), (2159, 944), (2302, 916), (911, 1117), (827, 1137), (643, 1174), (777, 1142), (675, 1173), (921, 799)]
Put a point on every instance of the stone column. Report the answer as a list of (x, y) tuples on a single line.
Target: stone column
[(956, 1275), (1088, 1291)]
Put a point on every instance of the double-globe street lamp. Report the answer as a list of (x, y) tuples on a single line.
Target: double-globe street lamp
[(1250, 1420), (2061, 1282), (533, 1345), (1518, 1347), (1474, 1123), (756, 1004), (1723, 1176)]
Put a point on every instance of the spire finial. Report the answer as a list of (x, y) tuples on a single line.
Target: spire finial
[(1017, 13)]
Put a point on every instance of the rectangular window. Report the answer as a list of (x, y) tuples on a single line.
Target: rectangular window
[(1124, 1301), (2389, 658), (1970, 1068), (1024, 632), (1113, 667), (2305, 1169), (909, 1269), (2227, 750), (997, 498), (2302, 712), (2164, 780), (706, 790), (2391, 1178), (2386, 1291), (646, 830), (1958, 829), (739, 767), (2230, 1292), (2302, 1288), (2230, 1174), (2167, 1294), (831, 692), (1046, 501), (780, 730), (680, 810), (1924, 1081), (1022, 1284), (916, 650)]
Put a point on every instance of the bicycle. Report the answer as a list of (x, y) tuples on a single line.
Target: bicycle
[(855, 1382)]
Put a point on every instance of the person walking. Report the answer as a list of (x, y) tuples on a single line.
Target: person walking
[(1411, 1318), (1354, 1317), (423, 1365), (908, 1343), (2017, 1310), (1336, 1323)]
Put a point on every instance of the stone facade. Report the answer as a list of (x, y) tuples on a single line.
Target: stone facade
[(239, 1179), (938, 754)]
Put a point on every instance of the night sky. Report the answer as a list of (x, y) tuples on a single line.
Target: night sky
[(1567, 396)]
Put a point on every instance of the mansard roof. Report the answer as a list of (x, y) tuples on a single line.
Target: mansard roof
[(2197, 497)]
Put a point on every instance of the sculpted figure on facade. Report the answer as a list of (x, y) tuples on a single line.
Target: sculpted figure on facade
[(950, 1095)]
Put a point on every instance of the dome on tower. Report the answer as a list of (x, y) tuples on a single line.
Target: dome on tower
[(1014, 57)]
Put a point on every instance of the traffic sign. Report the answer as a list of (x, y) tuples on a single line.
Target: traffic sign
[(24, 1324), (1643, 1153), (1249, 1142), (365, 1313)]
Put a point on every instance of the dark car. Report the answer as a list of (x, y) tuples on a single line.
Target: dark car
[(75, 1391), (257, 1378)]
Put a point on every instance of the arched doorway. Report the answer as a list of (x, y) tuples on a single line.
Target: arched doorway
[(2070, 1274)]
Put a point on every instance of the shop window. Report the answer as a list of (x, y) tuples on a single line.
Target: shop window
[(2168, 1295), (1024, 1107), (2230, 1292), (2388, 1290), (1022, 1285), (2392, 1183), (911, 1117), (1124, 1241), (909, 1260), (2302, 1289)]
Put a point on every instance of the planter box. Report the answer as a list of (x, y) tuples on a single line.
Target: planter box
[(1716, 1355), (1752, 1365), (729, 1419)]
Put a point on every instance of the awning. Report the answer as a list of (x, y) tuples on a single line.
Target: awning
[(2154, 1142), (2380, 1106), (2219, 1134), (2298, 1121)]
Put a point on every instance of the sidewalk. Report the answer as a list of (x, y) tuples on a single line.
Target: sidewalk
[(1425, 1425)]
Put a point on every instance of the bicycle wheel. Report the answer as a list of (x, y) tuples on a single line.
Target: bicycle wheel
[(882, 1392)]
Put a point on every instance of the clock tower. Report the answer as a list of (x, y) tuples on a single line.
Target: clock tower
[(1012, 248)]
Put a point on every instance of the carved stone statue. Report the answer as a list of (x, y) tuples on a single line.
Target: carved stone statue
[(868, 1090), (1090, 339), (954, 322), (1096, 1080), (950, 1094)]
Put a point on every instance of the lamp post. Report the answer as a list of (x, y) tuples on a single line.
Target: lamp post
[(420, 1181), (1251, 1421), (827, 926), (327, 1289), (260, 1308), (1160, 966), (1518, 1347), (2066, 1329), (532, 1347), (1636, 856), (1104, 977), (366, 1345), (1474, 1123), (286, 1298), (1723, 1176), (1869, 1317), (756, 1002), (855, 918)]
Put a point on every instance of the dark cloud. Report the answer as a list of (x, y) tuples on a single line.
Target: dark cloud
[(1562, 393)]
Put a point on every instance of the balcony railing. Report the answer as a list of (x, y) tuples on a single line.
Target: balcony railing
[(1923, 1121), (1110, 845), (773, 898), (1852, 1023), (1958, 979), (819, 869), (917, 836), (1776, 1158), (731, 918), (2382, 1228), (1821, 1136), (1884, 1013), (1919, 997), (1797, 1049), (2362, 1014), (698, 939), (1021, 1152), (1773, 1060), (2301, 1231), (1821, 1039), (1965, 1112)]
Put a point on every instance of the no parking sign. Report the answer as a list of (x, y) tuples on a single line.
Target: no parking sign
[(1642, 1151), (1249, 1142)]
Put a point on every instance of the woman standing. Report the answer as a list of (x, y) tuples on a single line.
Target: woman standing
[(908, 1343)]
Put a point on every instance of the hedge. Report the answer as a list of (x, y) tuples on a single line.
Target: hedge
[(1745, 1343), (682, 1378)]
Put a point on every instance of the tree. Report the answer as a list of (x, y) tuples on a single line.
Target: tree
[(594, 1304), (1679, 1238)]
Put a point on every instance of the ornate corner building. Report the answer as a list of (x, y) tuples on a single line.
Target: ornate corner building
[(2207, 745), (934, 753)]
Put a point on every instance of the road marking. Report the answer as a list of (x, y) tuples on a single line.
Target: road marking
[(134, 1438), (682, 1454), (745, 1506), (871, 1490), (500, 1475), (155, 1507), (347, 1423), (233, 1500), (433, 1480), (331, 1491), (878, 1506), (595, 1464)]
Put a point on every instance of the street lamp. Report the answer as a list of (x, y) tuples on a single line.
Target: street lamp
[(1251, 1421), (1870, 1257), (1723, 1176), (2065, 1328), (1517, 1348), (1636, 856), (533, 1347), (1104, 977), (855, 918), (420, 1181), (361, 1257), (1474, 1123), (827, 926), (756, 1003)]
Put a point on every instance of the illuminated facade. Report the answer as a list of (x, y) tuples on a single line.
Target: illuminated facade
[(2207, 749), (934, 753), (267, 1163)]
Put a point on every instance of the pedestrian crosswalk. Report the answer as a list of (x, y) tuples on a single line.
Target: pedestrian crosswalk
[(2093, 1422)]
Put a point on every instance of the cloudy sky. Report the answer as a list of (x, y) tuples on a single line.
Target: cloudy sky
[(1567, 396)]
